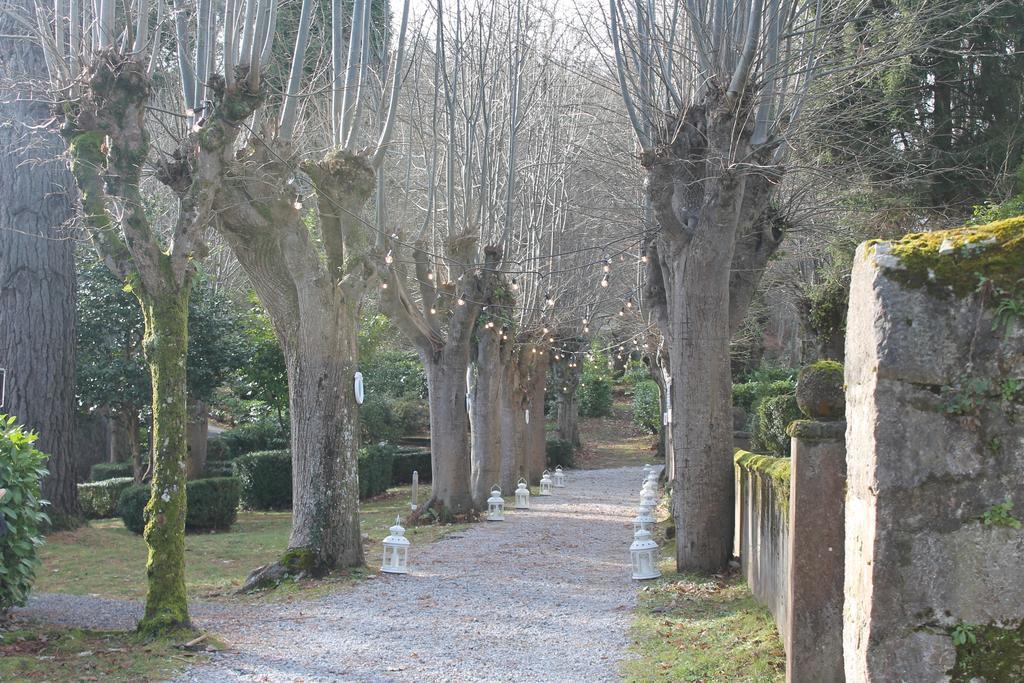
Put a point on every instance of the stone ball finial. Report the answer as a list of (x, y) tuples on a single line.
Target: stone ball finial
[(819, 391)]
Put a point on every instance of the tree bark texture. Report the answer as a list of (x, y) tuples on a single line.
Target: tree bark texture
[(717, 232), (314, 311), (536, 441), (449, 428), (166, 344), (485, 417), (37, 273), (515, 403)]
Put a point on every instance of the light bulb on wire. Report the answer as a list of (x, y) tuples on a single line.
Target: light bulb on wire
[(388, 258), (604, 280)]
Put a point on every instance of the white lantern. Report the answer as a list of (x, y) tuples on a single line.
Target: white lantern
[(559, 478), (396, 550), (644, 554), (648, 489), (652, 477), (643, 520), (647, 471), (648, 500), (545, 484), (522, 496), (496, 506)]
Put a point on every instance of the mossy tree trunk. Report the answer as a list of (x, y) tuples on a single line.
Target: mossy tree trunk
[(166, 345), (514, 404), (449, 429), (566, 369), (536, 434)]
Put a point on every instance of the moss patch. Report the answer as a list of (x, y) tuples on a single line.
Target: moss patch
[(777, 470), (994, 654), (951, 261)]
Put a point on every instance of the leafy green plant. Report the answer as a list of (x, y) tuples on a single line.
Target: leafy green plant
[(377, 421), (647, 406), (264, 435), (595, 389), (1001, 515), (99, 498), (22, 519), (635, 373), (962, 634), (771, 419)]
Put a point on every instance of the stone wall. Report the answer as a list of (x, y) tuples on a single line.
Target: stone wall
[(762, 530), (934, 567)]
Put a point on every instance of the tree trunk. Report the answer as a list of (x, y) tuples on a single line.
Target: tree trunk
[(702, 429), (324, 442), (512, 422), (198, 432), (449, 428), (166, 345), (536, 384), (659, 373), (485, 418), (316, 322), (37, 274)]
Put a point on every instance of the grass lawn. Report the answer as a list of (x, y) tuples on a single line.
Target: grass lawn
[(691, 628), (106, 559), (64, 654)]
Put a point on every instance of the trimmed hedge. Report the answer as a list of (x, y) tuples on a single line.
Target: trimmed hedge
[(99, 498), (647, 405), (103, 471), (265, 478), (218, 468), (408, 459), (560, 452), (375, 469), (250, 438), (770, 422), (211, 504)]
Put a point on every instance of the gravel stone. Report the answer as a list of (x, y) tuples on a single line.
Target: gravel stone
[(544, 596)]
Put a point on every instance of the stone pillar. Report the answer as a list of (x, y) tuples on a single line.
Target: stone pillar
[(814, 631), (934, 571)]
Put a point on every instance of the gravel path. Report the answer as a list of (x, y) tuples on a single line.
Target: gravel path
[(544, 596)]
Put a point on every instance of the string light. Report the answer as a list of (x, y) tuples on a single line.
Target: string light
[(298, 204), (515, 285), (607, 266), (461, 301), (383, 285), (548, 301), (388, 258), (604, 281), (433, 311), (430, 275)]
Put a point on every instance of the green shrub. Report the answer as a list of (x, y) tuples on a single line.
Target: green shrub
[(266, 435), (375, 469), (636, 372), (595, 395), (560, 452), (748, 394), (131, 507), (103, 471), (647, 406), (377, 421), (773, 415), (211, 504), (265, 478), (394, 374), (412, 416), (218, 468), (22, 519), (99, 498), (406, 461), (770, 372)]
